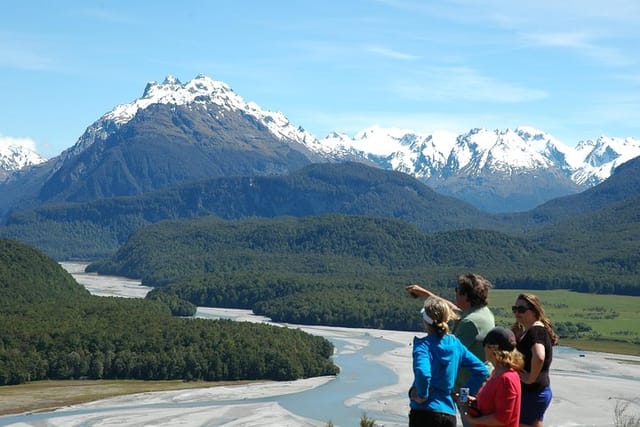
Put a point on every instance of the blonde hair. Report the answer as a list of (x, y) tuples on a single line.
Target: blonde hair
[(509, 359), (441, 313)]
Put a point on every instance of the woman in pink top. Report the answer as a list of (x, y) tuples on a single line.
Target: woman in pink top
[(498, 401)]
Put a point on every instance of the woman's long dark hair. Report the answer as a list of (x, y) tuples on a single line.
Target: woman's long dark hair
[(536, 306)]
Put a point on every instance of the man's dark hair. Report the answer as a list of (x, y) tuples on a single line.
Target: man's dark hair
[(475, 288)]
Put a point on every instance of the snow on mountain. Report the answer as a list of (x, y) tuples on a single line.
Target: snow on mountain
[(444, 152), (202, 91), (600, 157), (17, 153), (425, 156), (508, 152), (505, 151)]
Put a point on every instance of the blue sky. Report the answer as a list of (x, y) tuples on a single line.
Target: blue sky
[(570, 67)]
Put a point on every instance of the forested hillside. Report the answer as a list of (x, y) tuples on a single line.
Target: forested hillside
[(53, 329), (622, 185), (97, 229), (603, 245), (330, 245), (336, 269)]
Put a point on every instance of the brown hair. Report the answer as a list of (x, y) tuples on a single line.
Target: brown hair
[(534, 304), (475, 288), (441, 313)]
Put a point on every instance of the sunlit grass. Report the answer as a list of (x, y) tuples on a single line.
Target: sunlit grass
[(614, 319), (48, 395)]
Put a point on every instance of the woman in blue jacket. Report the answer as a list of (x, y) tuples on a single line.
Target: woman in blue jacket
[(436, 360)]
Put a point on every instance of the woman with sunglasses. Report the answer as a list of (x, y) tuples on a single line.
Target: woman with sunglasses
[(536, 341)]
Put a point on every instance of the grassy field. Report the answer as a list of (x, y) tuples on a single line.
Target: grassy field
[(47, 395), (614, 319)]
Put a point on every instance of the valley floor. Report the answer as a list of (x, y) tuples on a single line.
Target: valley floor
[(587, 387)]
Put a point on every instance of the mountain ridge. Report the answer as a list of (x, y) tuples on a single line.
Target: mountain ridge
[(497, 171), (348, 188)]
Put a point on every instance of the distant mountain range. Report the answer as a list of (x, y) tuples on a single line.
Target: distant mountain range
[(177, 133), (495, 170)]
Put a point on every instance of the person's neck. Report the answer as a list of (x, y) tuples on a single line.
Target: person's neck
[(499, 369), (534, 323)]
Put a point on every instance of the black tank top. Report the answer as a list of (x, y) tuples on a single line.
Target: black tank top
[(534, 335)]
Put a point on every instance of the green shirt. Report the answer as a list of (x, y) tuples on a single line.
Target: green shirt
[(473, 322)]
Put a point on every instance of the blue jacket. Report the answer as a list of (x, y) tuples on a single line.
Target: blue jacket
[(436, 361)]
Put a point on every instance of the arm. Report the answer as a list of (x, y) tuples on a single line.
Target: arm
[(538, 354), (417, 291), (421, 372), (518, 330), (477, 368)]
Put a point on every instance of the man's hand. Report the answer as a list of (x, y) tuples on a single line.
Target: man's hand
[(417, 291)]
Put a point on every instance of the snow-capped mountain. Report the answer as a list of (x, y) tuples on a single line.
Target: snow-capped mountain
[(597, 159), (177, 132), (525, 166), (434, 158), (200, 92), (499, 151), (15, 154), (173, 134)]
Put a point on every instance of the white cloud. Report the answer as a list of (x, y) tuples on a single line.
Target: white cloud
[(389, 53), (102, 14), (628, 77), (582, 44), (463, 84), (22, 52)]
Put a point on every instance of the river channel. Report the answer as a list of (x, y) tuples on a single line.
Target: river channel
[(327, 402), (588, 388)]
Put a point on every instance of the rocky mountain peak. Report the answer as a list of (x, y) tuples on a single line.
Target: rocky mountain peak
[(16, 154)]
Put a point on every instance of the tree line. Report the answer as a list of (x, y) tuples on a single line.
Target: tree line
[(361, 246)]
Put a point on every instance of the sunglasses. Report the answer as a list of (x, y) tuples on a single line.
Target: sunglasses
[(519, 309)]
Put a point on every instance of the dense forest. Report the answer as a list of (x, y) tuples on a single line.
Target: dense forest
[(381, 250), (53, 329), (334, 269), (588, 242), (98, 228)]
